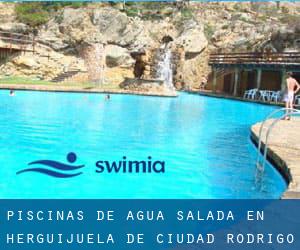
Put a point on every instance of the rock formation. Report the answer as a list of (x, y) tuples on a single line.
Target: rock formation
[(131, 41)]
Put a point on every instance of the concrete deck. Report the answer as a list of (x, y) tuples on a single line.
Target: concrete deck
[(284, 151), (79, 89), (231, 97)]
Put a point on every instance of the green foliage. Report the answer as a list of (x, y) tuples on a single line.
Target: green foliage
[(225, 27), (38, 13), (187, 13), (208, 31), (32, 14), (284, 10), (239, 7), (37, 82), (132, 12), (263, 18), (246, 20), (290, 19), (54, 6), (21, 80), (148, 10)]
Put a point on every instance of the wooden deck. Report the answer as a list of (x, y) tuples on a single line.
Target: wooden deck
[(290, 60), (12, 43)]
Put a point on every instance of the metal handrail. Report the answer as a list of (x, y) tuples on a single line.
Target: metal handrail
[(25, 41), (17, 41), (292, 112), (14, 33), (269, 131)]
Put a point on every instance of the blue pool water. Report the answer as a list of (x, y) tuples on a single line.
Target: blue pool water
[(204, 142)]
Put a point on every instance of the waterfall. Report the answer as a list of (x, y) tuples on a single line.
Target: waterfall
[(165, 71)]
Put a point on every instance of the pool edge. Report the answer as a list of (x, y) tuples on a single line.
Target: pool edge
[(281, 164), (233, 98), (61, 89)]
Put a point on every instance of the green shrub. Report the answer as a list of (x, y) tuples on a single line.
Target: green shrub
[(284, 10), (208, 31), (238, 7), (132, 12), (32, 14), (225, 27), (54, 6), (290, 19), (187, 13), (38, 13), (148, 10)]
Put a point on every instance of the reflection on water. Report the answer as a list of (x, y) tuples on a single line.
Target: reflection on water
[(204, 142)]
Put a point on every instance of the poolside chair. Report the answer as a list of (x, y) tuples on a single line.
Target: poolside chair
[(246, 94), (250, 94), (297, 99), (275, 96), (265, 95), (253, 94)]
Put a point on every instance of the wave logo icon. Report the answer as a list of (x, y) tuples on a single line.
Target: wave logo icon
[(55, 168)]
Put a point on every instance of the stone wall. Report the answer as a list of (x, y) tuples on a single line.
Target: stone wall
[(94, 58)]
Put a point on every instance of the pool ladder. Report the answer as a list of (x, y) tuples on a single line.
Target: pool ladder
[(260, 163)]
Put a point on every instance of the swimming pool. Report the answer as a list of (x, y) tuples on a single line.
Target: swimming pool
[(204, 142)]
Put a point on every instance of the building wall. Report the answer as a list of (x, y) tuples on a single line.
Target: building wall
[(270, 80), (297, 76), (228, 82), (220, 84), (243, 85)]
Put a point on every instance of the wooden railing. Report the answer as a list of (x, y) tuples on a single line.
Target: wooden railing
[(16, 41), (255, 58)]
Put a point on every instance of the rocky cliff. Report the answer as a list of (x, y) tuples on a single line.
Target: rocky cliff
[(130, 41)]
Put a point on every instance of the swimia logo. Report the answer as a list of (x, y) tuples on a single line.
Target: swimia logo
[(55, 168), (61, 170)]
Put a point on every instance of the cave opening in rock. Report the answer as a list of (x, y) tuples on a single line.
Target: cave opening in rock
[(140, 64), (167, 39)]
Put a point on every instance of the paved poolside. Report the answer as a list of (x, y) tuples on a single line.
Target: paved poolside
[(228, 96), (80, 89), (284, 151)]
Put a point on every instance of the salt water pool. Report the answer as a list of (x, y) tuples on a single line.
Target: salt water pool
[(203, 141)]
